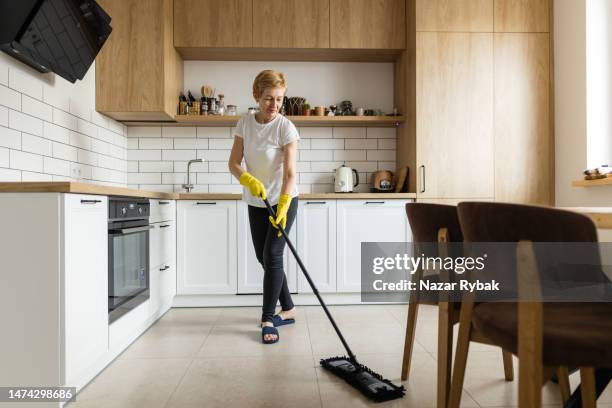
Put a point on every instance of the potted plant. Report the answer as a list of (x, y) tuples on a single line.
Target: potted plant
[(306, 109)]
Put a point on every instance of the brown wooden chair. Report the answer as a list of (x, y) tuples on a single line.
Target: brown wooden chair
[(437, 223), (547, 337)]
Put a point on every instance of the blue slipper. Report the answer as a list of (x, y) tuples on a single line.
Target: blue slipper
[(269, 330), (279, 321)]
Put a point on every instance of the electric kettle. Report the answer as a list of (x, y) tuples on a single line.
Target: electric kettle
[(343, 181)]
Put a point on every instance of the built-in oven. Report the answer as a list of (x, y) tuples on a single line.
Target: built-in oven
[(128, 254)]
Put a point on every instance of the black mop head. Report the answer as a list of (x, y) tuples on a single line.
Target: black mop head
[(369, 383)]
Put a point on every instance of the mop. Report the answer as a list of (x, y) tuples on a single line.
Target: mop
[(369, 383)]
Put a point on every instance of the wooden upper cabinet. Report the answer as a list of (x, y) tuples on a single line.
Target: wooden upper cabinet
[(291, 23), (524, 149), (522, 16), (139, 74), (367, 24), (454, 15), (213, 23)]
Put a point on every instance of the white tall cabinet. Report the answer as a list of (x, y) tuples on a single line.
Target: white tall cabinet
[(206, 247), (366, 221)]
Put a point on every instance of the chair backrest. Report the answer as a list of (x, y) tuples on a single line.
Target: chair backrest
[(503, 222), (427, 219)]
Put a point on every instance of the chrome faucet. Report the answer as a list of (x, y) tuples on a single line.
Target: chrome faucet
[(188, 187)]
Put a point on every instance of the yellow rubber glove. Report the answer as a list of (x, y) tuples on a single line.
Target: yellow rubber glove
[(281, 212), (255, 186)]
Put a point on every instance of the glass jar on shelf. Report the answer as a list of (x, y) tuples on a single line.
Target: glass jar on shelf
[(221, 105), (232, 110)]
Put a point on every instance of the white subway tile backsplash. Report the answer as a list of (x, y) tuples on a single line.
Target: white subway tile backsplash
[(117, 152), (360, 144), (35, 144), (386, 144), (144, 131), (214, 155), (316, 178), (25, 123), (145, 154), (80, 110), (303, 166), (378, 133), (181, 166), (320, 167), (10, 98), (386, 165), (10, 138), (363, 166), (3, 75), (5, 157), (168, 188), (117, 127), (107, 162), (36, 108), (316, 133), (214, 178), (225, 188), (26, 161), (304, 144), (220, 144), (132, 144), (144, 178), (215, 167), (3, 116), (155, 143), (178, 154), (64, 119), (349, 133), (326, 144), (120, 141), (106, 135), (56, 166), (65, 152), (87, 157), (381, 155), (99, 146), (177, 178), (156, 167), (349, 155), (132, 166), (58, 94), (215, 132), (87, 128), (9, 174), (56, 133), (322, 188), (315, 155), (80, 171), (33, 176), (304, 188), (79, 140), (99, 119), (24, 83), (178, 131)]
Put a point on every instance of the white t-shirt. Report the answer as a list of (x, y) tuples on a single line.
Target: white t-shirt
[(263, 154)]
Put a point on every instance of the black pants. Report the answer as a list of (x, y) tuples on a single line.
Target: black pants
[(269, 251)]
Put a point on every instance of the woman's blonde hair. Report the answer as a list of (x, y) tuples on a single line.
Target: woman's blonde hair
[(268, 79)]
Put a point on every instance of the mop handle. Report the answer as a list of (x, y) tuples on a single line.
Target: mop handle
[(312, 285)]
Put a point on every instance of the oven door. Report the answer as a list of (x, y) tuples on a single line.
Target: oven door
[(128, 275)]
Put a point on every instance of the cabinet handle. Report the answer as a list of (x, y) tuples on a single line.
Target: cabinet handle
[(90, 201), (164, 268), (164, 226), (316, 202), (374, 202), (164, 202), (422, 169), (199, 203)]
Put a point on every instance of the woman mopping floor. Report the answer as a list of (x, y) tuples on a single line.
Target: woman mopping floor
[(268, 143)]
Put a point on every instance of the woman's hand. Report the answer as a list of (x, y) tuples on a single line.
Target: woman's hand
[(281, 212), (255, 186)]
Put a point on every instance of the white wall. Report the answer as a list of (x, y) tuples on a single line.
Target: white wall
[(50, 131), (367, 85), (570, 22), (599, 82)]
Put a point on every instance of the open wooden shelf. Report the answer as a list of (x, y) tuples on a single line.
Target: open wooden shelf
[(379, 121), (592, 183)]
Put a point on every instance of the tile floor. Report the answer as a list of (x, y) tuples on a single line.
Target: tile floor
[(213, 357)]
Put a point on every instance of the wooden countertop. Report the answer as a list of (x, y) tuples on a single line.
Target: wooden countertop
[(97, 189)]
